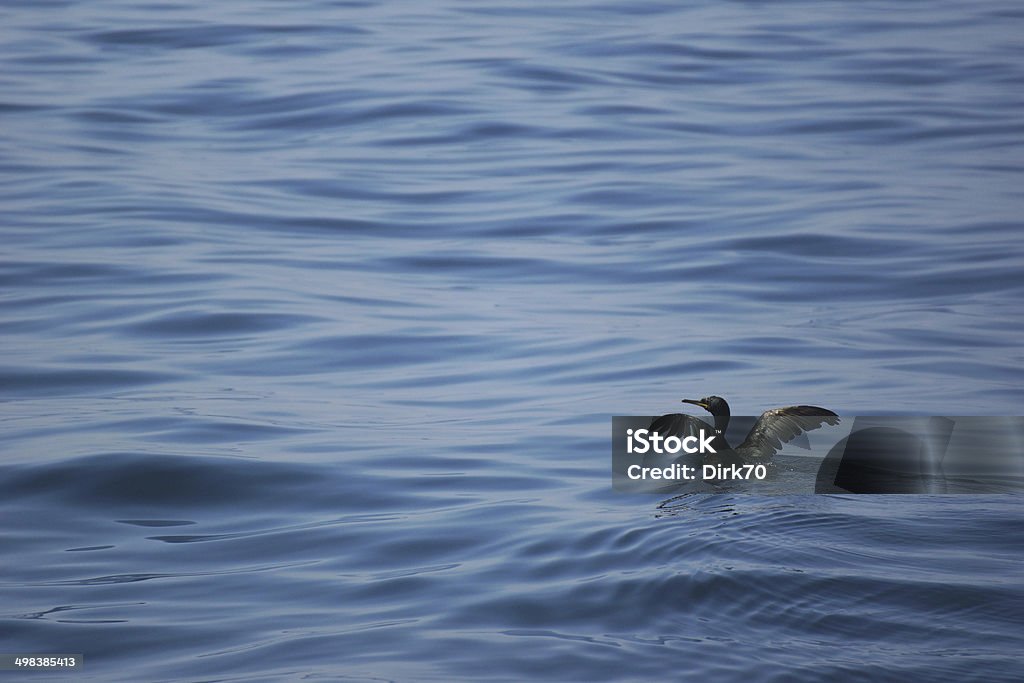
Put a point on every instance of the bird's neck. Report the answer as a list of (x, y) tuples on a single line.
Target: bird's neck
[(721, 423)]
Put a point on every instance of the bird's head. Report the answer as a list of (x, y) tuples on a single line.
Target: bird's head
[(715, 405)]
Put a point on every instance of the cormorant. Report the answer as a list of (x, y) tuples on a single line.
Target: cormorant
[(772, 429)]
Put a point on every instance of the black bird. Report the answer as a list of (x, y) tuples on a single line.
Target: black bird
[(772, 429)]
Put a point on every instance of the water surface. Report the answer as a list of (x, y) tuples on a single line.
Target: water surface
[(315, 315)]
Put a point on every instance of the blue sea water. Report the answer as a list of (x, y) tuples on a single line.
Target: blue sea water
[(314, 316)]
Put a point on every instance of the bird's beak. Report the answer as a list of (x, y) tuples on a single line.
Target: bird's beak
[(696, 402)]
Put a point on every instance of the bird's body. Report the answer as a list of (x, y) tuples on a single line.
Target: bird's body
[(773, 429)]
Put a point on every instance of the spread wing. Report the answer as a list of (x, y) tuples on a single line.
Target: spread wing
[(679, 424), (781, 425)]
